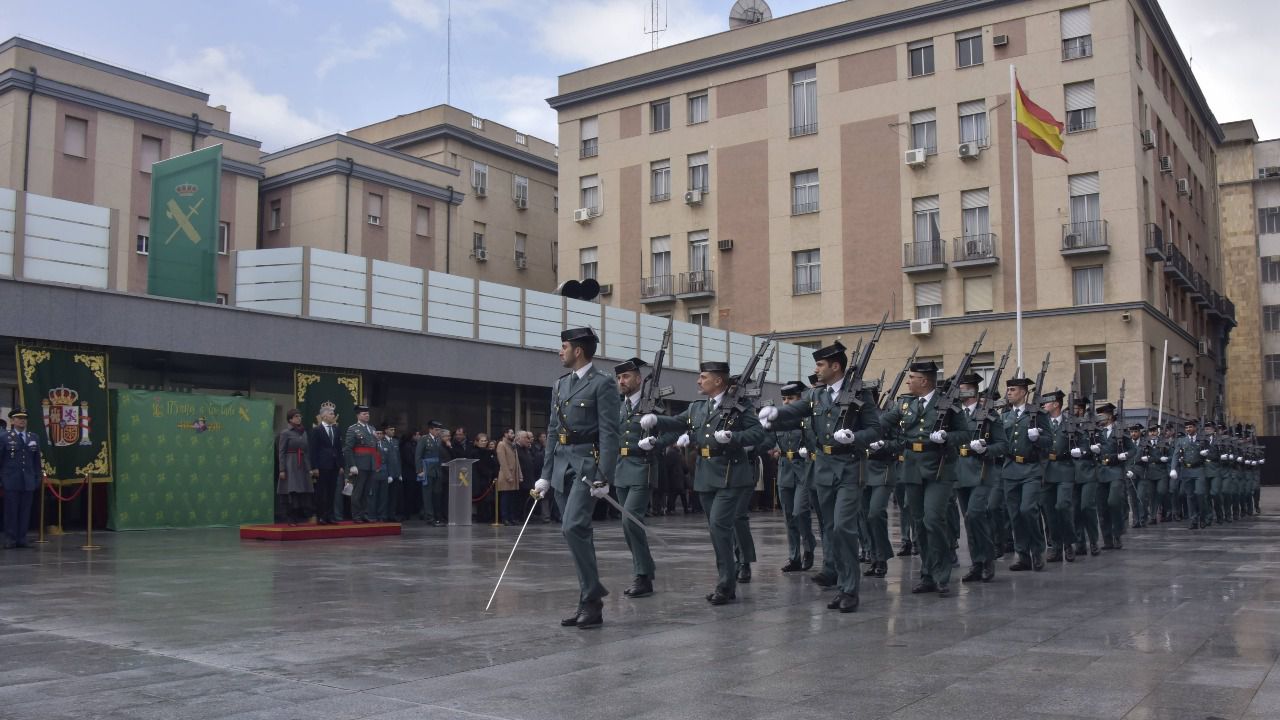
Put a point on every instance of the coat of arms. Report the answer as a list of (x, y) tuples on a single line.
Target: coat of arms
[(65, 421)]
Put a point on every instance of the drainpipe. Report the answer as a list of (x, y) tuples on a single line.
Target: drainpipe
[(26, 152), (448, 228), (346, 209), (195, 131)]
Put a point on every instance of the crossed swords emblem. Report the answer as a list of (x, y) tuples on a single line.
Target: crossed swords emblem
[(183, 219)]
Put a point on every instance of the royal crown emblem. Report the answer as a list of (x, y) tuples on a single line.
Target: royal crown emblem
[(186, 189), (328, 406), (65, 421)]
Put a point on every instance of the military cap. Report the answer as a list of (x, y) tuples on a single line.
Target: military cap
[(632, 364), (1055, 396), (1018, 382), (834, 351), (1190, 421), (388, 426), (1210, 424), (362, 408), (435, 425), (793, 388), (585, 333), (18, 414), (1081, 401), (971, 379), (924, 366), (1106, 408), (1137, 426), (714, 366)]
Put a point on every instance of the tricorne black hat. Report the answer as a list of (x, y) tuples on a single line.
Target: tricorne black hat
[(924, 366), (634, 363), (834, 350), (585, 333), (714, 366), (1018, 382), (793, 388), (1107, 408), (1055, 396)]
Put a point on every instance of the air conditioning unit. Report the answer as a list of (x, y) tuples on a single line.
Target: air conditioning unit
[(914, 157), (922, 327), (1200, 393), (1184, 187), (606, 289), (724, 245), (693, 197), (480, 254), (1072, 240), (583, 215), (1202, 349), (970, 150), (1148, 139), (522, 203), (1000, 40), (1269, 172), (1166, 165), (481, 190)]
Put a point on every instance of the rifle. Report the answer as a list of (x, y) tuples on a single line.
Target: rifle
[(1073, 422), (984, 412), (888, 397), (755, 390), (851, 388), (950, 401), (1035, 407), (1119, 416), (737, 399), (650, 391)]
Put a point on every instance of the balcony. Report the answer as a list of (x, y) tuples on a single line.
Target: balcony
[(1077, 47), (590, 148), (974, 250), (806, 288), (1228, 311), (656, 289), (697, 284), (1176, 265), (1154, 248), (924, 256), (1084, 238), (1215, 305)]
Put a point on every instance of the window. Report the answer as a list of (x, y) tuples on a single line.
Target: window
[(522, 259), (588, 263), (699, 108), (224, 238), (480, 177), (151, 152), (920, 58), (590, 137), (1086, 217), (1271, 269), (1273, 419), (477, 239), (274, 220), (75, 136), (422, 221), (699, 172), (555, 201), (977, 295), (1082, 113), (375, 209), (522, 139), (926, 225), (700, 317), (477, 123), (591, 193), (975, 214), (1268, 220), (973, 123), (659, 116), (660, 261), (808, 272), (924, 131), (1271, 318), (1271, 367), (520, 191), (659, 180), (143, 245), (1137, 39), (969, 48), (1077, 40), (1086, 285), (699, 258), (804, 102), (928, 300), (1093, 374), (804, 192)]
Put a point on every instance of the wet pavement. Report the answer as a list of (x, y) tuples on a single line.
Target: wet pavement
[(1179, 625)]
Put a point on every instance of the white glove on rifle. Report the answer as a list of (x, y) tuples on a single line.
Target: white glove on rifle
[(1077, 453), (1164, 458), (844, 436), (767, 415), (876, 446), (540, 489), (649, 422), (599, 489), (804, 452), (1129, 474), (1204, 452), (1096, 449), (978, 446), (354, 470), (938, 436), (724, 437), (1173, 474), (1145, 459), (1033, 434), (683, 441), (647, 444), (1122, 457)]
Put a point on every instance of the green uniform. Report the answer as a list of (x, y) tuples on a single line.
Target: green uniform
[(1188, 462), (582, 444), (1213, 477), (635, 475), (1058, 496), (1021, 476), (1085, 493), (1147, 472), (360, 448), (1111, 483), (427, 460), (976, 474), (882, 476), (792, 470)]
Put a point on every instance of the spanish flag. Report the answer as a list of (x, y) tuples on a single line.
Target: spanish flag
[(1035, 125)]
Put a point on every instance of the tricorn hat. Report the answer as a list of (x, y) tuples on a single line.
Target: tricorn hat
[(634, 363)]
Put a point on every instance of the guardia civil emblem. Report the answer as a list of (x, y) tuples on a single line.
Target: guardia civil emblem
[(66, 422)]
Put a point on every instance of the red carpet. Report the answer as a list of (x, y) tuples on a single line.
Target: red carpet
[(281, 531)]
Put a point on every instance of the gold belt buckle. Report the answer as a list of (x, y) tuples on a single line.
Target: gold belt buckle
[(791, 454), (827, 449), (624, 452), (1019, 459), (1053, 456), (917, 447), (564, 439), (964, 452), (706, 452)]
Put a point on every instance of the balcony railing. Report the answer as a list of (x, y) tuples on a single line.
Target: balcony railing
[(923, 256), (700, 283), (1154, 248), (1079, 238), (659, 197), (804, 208), (1077, 47), (806, 288), (590, 148), (974, 250), (657, 288), (799, 130), (1215, 304), (1176, 265), (1228, 310)]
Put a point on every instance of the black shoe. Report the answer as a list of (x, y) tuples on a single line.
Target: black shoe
[(823, 580), (807, 562), (642, 587), (924, 587), (744, 573), (592, 616), (871, 571), (915, 549), (1108, 544), (719, 597), (437, 523), (835, 601), (1117, 545), (988, 571), (1023, 563), (848, 603), (572, 620), (974, 574), (792, 566), (881, 568), (1070, 553), (944, 590), (999, 552), (1055, 555), (906, 549), (1093, 549), (1037, 562)]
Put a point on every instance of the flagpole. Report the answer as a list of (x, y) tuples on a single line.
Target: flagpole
[(1017, 222)]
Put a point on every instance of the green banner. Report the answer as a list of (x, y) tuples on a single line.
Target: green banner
[(185, 198), (313, 390), (187, 460), (65, 395)]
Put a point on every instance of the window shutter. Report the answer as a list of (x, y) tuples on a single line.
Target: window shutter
[(977, 294), (973, 107), (965, 35), (929, 293), (971, 199), (925, 204), (920, 44), (922, 116), (590, 128), (375, 204), (590, 181), (1075, 23), (660, 244), (697, 159), (1083, 184), (587, 255), (1080, 95)]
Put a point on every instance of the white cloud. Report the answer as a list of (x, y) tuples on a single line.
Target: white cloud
[(423, 13), (591, 32), (523, 105), (257, 114), (371, 46)]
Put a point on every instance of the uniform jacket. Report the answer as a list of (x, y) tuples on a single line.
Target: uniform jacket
[(1059, 466), (1111, 467), (718, 466), (20, 468), (1186, 455), (1214, 459), (1022, 459), (636, 467), (326, 454), (391, 457), (586, 408), (925, 461), (831, 463), (428, 457), (791, 466), (973, 469), (360, 436)]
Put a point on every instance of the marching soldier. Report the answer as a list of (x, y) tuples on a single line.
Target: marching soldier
[(1150, 473), (881, 482), (837, 466), (1084, 494), (1213, 472), (636, 473), (724, 472), (1028, 436), (1136, 473), (792, 466), (1177, 503), (360, 448), (1112, 449), (582, 452), (1187, 466), (20, 474), (977, 471), (807, 504), (1058, 494)]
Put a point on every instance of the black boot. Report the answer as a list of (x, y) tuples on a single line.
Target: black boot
[(744, 573), (807, 562), (974, 574), (641, 587), (906, 549)]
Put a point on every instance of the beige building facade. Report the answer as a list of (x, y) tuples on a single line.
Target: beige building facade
[(77, 129), (806, 174)]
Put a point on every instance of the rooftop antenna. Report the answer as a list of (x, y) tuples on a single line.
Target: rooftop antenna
[(656, 23), (448, 54), (749, 12)]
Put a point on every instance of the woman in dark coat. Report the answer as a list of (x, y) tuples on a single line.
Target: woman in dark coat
[(294, 482), (484, 474)]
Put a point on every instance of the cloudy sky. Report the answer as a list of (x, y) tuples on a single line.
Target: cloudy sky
[(291, 70)]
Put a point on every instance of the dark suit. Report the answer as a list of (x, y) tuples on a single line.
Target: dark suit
[(326, 459), (20, 476)]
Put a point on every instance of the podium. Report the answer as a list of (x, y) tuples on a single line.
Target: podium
[(460, 479)]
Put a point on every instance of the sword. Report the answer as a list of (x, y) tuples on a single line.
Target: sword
[(513, 552), (628, 514)]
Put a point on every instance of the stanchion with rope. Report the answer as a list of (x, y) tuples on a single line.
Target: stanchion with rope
[(44, 481), (88, 541), (496, 493)]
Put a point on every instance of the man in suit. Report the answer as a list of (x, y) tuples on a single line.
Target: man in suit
[(977, 471), (428, 458), (637, 473), (839, 452), (360, 449), (582, 452), (325, 446), (20, 475), (725, 470), (1028, 436), (792, 465)]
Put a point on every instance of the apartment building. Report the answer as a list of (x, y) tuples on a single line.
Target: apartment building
[(80, 130), (807, 173)]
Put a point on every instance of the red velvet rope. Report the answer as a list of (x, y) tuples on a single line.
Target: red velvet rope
[(73, 496), (485, 494)]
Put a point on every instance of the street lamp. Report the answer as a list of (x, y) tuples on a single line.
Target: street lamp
[(1175, 366)]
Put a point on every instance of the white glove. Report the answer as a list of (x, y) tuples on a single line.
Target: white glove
[(540, 489), (1173, 474), (390, 480), (1204, 452), (1227, 456), (938, 436), (876, 446), (1096, 449), (844, 436), (353, 471), (647, 444), (1122, 457), (599, 489), (767, 415), (724, 436), (978, 446), (649, 422), (1077, 453), (1263, 461), (683, 441), (1145, 459), (1164, 458), (804, 452), (1129, 474), (1033, 434)]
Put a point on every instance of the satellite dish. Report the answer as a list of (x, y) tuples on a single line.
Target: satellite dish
[(749, 12)]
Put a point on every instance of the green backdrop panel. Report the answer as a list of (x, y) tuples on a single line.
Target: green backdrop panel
[(191, 460)]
